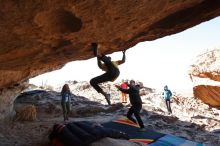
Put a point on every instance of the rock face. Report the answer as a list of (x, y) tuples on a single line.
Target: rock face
[(205, 73), (208, 94), (49, 102), (40, 36), (8, 95), (207, 65)]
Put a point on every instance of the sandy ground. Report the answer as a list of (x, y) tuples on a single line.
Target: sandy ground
[(191, 119)]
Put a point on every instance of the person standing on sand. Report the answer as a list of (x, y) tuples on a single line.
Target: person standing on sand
[(136, 103), (65, 101), (167, 94), (124, 95)]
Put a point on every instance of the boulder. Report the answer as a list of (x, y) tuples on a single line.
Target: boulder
[(205, 74)]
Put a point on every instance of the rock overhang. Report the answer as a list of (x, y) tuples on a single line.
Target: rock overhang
[(41, 36)]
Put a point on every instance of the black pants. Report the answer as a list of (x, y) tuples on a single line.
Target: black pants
[(167, 102), (136, 112), (101, 79)]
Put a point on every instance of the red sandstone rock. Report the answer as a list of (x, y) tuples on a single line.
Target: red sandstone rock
[(205, 74), (40, 36), (208, 94)]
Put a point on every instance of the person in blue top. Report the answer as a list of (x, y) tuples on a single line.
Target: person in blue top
[(167, 94), (65, 101)]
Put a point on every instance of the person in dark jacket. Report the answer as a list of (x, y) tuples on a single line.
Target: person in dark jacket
[(111, 71), (65, 101), (82, 133), (136, 103)]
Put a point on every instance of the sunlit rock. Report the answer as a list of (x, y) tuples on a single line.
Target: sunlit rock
[(205, 74)]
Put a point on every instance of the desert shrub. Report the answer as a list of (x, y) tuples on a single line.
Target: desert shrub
[(26, 113)]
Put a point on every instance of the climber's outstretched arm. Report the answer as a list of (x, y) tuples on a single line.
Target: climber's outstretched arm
[(123, 58)]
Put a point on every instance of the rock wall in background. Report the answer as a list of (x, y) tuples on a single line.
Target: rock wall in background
[(205, 73)]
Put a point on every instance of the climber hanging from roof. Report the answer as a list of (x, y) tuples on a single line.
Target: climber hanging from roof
[(110, 68)]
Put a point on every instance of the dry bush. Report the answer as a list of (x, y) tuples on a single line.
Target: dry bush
[(26, 113)]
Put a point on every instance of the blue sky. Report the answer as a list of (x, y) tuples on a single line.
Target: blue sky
[(164, 61)]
